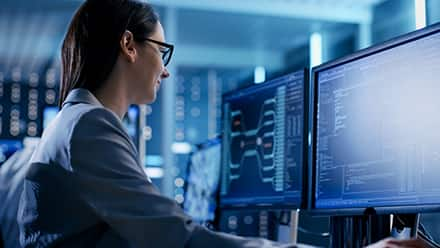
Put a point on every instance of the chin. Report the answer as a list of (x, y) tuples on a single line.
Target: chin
[(149, 99)]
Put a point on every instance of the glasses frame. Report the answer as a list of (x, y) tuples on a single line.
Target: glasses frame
[(164, 53)]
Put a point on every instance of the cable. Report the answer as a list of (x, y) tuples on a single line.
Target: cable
[(422, 233), (431, 242), (426, 236), (425, 239), (399, 219), (423, 229)]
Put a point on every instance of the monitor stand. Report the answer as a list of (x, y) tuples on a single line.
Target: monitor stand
[(294, 219), (359, 231), (288, 227)]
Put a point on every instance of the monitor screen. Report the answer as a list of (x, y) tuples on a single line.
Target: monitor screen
[(49, 114), (264, 144), (202, 182), (132, 124), (8, 147), (376, 122)]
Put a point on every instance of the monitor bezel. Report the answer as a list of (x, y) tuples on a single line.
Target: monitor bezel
[(305, 169), (404, 209)]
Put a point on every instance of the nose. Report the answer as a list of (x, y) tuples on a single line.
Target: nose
[(165, 73)]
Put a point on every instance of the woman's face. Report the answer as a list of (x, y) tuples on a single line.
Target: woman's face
[(149, 69)]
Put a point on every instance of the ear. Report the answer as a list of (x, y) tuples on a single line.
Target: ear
[(128, 48)]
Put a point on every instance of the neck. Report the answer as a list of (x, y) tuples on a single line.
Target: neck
[(113, 96)]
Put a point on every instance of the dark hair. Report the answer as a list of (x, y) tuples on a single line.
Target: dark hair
[(91, 45)]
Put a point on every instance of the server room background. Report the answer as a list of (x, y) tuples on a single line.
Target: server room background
[(219, 46)]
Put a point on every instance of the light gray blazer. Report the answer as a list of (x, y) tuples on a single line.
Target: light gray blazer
[(86, 188)]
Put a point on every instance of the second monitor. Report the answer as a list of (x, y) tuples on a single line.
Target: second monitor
[(203, 176), (376, 142), (264, 144)]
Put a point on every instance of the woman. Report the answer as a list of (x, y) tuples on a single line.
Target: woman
[(86, 187)]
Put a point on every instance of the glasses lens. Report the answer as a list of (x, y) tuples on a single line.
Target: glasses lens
[(167, 56)]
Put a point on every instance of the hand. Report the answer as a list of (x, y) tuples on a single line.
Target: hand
[(394, 243)]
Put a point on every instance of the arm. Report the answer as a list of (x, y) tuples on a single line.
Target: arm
[(113, 184), (394, 243)]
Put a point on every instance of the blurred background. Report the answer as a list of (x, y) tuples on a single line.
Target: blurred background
[(219, 46)]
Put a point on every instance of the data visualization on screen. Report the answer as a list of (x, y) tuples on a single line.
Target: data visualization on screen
[(202, 184), (377, 127), (263, 143)]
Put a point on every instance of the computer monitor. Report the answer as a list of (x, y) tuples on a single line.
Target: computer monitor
[(376, 126), (264, 144), (49, 113), (131, 122), (8, 147), (203, 176)]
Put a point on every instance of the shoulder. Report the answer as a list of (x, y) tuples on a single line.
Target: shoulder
[(98, 141), (98, 122), (97, 115)]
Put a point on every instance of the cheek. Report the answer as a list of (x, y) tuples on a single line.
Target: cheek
[(150, 76), (153, 68)]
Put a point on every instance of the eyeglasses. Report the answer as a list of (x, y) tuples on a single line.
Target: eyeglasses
[(167, 53)]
